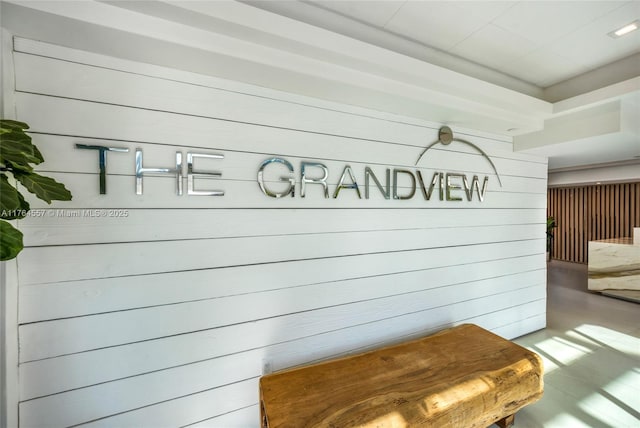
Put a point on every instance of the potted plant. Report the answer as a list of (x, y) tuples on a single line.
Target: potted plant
[(551, 224), (17, 155)]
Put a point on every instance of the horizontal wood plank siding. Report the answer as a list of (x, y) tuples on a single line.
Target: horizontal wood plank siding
[(159, 309), (591, 213)]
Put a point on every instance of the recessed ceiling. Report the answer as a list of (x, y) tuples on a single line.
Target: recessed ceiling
[(539, 42), (557, 50)]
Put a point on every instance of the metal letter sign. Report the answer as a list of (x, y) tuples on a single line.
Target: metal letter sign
[(102, 161), (450, 186)]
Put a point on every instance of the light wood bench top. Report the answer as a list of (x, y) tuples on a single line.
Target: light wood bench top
[(461, 377)]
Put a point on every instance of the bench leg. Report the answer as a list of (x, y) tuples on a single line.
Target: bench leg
[(506, 422), (264, 422)]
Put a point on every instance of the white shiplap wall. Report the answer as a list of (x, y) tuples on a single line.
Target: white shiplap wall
[(167, 317)]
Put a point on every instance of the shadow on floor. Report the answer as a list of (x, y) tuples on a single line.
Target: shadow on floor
[(591, 352)]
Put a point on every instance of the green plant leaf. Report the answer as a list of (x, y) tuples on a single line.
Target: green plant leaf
[(17, 160), (45, 188), (9, 196), (17, 152), (16, 147), (12, 124), (16, 133), (24, 207), (37, 154), (20, 167), (20, 212), (18, 142), (10, 241)]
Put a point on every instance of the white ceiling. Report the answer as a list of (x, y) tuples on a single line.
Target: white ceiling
[(539, 42), (543, 72), (552, 50)]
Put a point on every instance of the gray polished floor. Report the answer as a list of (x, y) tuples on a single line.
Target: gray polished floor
[(591, 352)]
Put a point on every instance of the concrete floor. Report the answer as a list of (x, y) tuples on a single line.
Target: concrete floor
[(591, 352)]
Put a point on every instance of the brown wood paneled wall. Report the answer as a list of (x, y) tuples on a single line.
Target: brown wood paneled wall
[(589, 213)]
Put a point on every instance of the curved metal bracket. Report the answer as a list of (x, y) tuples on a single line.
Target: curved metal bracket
[(445, 137)]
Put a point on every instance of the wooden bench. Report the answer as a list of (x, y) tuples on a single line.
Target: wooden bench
[(461, 377)]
